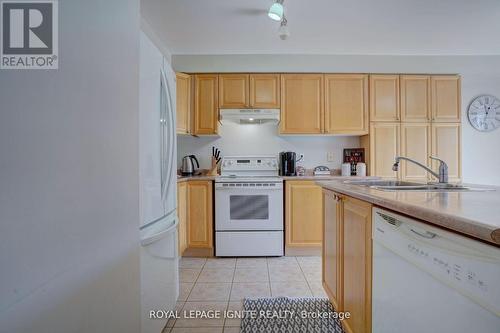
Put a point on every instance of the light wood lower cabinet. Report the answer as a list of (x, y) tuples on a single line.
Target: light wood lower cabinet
[(357, 264), (199, 214), (182, 213), (332, 247), (347, 258), (303, 213)]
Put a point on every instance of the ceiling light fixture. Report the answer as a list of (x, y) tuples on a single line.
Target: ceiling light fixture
[(283, 30), (276, 11)]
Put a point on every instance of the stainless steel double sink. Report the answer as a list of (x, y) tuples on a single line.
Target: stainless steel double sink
[(396, 185)]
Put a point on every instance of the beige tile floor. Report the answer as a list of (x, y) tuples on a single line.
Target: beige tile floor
[(222, 284)]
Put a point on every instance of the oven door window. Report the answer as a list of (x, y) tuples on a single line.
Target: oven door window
[(249, 207)]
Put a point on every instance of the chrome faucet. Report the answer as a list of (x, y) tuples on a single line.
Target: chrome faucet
[(443, 168)]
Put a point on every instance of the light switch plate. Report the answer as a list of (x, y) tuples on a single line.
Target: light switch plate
[(330, 156)]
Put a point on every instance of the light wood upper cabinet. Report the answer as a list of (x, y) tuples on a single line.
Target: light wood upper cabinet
[(233, 91), (183, 102), (199, 214), (415, 98), (346, 104), (265, 91), (415, 144), (384, 147), (303, 213), (357, 264), (384, 98), (206, 105), (446, 143), (332, 248), (445, 96), (182, 213), (301, 104)]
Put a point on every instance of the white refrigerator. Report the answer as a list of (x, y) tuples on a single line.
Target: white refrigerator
[(158, 177)]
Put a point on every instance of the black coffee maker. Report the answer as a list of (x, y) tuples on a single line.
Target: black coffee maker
[(288, 163)]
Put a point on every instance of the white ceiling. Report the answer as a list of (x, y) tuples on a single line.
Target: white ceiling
[(399, 27)]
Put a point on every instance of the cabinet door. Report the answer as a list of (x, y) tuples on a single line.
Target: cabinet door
[(182, 213), (301, 104), (445, 96), (199, 214), (265, 91), (384, 98), (303, 214), (415, 144), (357, 264), (346, 104), (233, 91), (183, 102), (415, 98), (332, 247), (446, 144), (384, 147), (206, 105)]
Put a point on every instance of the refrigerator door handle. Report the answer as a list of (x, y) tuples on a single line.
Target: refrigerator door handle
[(169, 125), (162, 136), (159, 235), (163, 148)]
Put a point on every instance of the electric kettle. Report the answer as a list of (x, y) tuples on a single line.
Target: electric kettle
[(188, 168)]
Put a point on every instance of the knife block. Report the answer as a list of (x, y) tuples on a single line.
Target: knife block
[(214, 168)]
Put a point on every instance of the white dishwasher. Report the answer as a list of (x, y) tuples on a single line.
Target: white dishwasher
[(426, 279)]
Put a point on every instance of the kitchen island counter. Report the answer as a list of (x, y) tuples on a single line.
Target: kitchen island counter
[(472, 213)]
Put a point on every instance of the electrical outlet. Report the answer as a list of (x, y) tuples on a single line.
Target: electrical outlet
[(301, 157), (330, 156)]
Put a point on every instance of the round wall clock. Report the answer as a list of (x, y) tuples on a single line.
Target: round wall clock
[(484, 113)]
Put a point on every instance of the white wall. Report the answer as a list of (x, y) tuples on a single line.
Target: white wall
[(153, 36), (69, 206), (480, 75), (255, 139)]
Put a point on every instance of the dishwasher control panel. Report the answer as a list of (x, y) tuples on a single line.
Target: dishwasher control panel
[(453, 269), (470, 267)]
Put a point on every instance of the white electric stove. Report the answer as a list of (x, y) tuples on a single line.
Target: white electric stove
[(249, 207)]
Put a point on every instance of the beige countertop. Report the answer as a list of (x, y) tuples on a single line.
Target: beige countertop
[(332, 177), (476, 214), (310, 177), (197, 177)]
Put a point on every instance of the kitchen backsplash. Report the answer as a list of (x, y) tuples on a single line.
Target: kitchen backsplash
[(252, 139)]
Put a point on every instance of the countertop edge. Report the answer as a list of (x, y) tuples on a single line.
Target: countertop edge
[(448, 221)]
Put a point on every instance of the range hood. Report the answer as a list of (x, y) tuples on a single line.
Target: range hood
[(250, 116)]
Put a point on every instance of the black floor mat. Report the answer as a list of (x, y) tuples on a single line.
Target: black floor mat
[(283, 314)]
